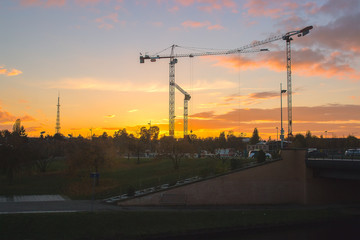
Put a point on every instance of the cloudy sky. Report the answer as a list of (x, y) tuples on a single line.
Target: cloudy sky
[(88, 51)]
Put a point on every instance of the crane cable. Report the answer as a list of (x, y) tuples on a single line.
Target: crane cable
[(191, 65), (238, 93)]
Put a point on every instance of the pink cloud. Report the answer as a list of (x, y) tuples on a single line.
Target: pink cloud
[(185, 2), (194, 24), (44, 3), (108, 21), (207, 24), (87, 2), (174, 9), (208, 5), (258, 8), (306, 62), (215, 27)]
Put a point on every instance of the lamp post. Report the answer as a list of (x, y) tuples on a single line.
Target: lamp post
[(150, 135), (282, 129)]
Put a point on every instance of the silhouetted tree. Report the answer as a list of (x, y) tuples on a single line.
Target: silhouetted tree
[(299, 141), (352, 142), (255, 138), (14, 151)]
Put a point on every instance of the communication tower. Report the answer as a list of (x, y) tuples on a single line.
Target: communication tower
[(57, 128)]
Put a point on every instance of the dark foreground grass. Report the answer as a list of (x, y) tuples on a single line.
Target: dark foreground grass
[(143, 224)]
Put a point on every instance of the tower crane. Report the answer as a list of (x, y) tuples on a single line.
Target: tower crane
[(172, 85), (244, 49), (288, 38)]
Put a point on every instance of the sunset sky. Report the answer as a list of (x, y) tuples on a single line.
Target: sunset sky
[(88, 51)]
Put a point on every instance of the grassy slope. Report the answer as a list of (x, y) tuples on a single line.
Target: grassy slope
[(114, 180)]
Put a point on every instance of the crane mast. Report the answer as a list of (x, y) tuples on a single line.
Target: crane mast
[(289, 87), (172, 63)]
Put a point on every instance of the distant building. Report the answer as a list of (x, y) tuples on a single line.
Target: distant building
[(225, 152), (259, 146)]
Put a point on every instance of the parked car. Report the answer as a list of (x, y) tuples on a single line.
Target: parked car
[(316, 154), (254, 154), (352, 153)]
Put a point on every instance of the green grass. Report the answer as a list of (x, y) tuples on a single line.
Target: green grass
[(114, 179), (136, 224)]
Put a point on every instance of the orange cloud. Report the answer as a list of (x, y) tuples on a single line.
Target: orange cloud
[(12, 72), (337, 119), (6, 117)]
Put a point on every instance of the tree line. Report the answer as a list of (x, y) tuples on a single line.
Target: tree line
[(20, 153)]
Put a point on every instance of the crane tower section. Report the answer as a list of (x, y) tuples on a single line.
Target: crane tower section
[(187, 98)]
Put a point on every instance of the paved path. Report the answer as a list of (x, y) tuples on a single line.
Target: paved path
[(50, 203), (32, 198)]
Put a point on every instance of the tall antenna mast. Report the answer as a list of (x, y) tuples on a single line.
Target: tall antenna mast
[(57, 128)]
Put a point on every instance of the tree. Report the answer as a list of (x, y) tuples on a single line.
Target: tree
[(122, 141), (14, 151), (18, 128), (222, 140), (299, 141), (89, 155), (44, 153), (255, 137), (352, 142)]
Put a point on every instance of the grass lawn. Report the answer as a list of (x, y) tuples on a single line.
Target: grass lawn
[(138, 224), (114, 179)]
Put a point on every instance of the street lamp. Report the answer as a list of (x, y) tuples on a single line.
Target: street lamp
[(282, 129)]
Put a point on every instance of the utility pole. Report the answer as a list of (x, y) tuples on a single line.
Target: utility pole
[(282, 129)]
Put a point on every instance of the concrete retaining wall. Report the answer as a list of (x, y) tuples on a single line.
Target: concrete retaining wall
[(286, 181)]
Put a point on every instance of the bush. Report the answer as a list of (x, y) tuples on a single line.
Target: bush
[(130, 191), (234, 164), (261, 157)]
